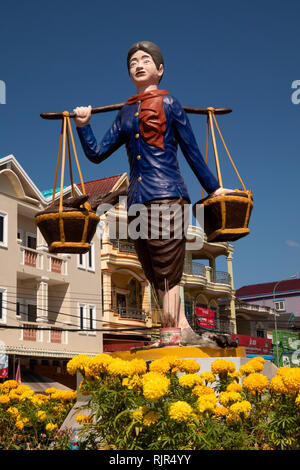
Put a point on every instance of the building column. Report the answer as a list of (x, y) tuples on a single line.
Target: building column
[(42, 300), (106, 289), (232, 296)]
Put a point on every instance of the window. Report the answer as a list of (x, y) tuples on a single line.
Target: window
[(81, 261), (2, 305), (260, 333), (3, 229), (92, 319), (82, 316), (31, 240), (280, 306), (31, 313), (91, 257)]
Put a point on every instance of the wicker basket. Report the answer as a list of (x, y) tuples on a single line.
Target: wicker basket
[(68, 231), (67, 225), (226, 217)]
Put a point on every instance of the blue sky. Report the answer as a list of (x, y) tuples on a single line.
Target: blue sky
[(243, 55)]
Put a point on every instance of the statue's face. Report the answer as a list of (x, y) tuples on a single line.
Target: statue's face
[(143, 71)]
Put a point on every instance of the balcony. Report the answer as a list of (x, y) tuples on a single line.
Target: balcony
[(130, 313), (40, 260), (194, 269), (221, 277), (123, 246), (29, 332)]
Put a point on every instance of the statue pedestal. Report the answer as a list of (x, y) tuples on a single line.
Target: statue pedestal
[(182, 352)]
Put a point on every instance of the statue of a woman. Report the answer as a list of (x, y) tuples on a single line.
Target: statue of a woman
[(151, 124)]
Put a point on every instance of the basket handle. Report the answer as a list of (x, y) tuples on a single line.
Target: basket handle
[(210, 120), (66, 129)]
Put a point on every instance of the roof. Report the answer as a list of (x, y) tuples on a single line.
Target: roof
[(49, 192), (267, 288), (100, 187)]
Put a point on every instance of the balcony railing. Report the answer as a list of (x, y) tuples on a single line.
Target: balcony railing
[(220, 325), (29, 332), (130, 312), (221, 277), (123, 246), (55, 335), (36, 259), (194, 269)]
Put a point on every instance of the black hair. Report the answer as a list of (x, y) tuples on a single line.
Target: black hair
[(148, 47)]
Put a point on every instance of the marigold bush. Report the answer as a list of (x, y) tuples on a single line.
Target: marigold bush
[(172, 405), (31, 420)]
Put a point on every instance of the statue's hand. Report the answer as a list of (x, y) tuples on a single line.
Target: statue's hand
[(221, 191), (83, 115)]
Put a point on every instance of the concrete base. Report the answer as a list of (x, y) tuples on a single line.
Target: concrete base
[(182, 352)]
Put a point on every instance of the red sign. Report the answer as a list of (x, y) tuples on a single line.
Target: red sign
[(3, 366), (254, 344), (205, 317)]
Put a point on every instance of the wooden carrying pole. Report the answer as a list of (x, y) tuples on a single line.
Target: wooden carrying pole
[(118, 106)]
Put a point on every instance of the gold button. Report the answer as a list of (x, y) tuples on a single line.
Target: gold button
[(136, 114), (137, 136), (138, 157), (139, 101), (139, 178)]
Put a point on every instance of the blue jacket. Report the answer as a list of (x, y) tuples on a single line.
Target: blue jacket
[(154, 173)]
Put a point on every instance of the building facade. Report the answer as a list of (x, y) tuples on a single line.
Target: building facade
[(43, 297)]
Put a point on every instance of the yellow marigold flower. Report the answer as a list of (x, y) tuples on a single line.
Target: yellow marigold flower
[(256, 364), (241, 408), (189, 380), (139, 413), (139, 365), (207, 403), (160, 365), (220, 411), (82, 419), (256, 382), (50, 390), (291, 380), (155, 385), (234, 387), (97, 365), (226, 398), (9, 384), (150, 418), (78, 364), (202, 390), (133, 383), (208, 377), (188, 365), (41, 415), (222, 366), (277, 385), (120, 367), (180, 411), (22, 389), (4, 399), (51, 427), (13, 411), (297, 401), (27, 395), (19, 424)]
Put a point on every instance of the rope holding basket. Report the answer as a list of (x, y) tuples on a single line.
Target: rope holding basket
[(226, 217), (67, 228)]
